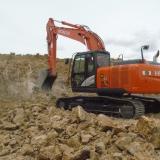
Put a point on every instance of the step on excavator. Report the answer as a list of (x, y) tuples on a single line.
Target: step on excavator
[(121, 88)]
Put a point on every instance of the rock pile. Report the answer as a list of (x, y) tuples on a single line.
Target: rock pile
[(41, 131)]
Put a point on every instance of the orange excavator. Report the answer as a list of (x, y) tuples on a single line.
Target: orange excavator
[(119, 87)]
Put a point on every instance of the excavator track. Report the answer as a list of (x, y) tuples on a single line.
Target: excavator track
[(151, 104), (119, 107)]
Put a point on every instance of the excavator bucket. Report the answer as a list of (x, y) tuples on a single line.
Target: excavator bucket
[(46, 80)]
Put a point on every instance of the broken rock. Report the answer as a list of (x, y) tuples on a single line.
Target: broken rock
[(145, 126), (80, 113), (106, 123), (123, 142), (82, 154), (85, 138), (27, 149), (150, 130), (100, 147), (40, 140), (50, 153), (9, 126), (20, 116)]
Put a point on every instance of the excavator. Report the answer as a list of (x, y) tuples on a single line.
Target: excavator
[(122, 89)]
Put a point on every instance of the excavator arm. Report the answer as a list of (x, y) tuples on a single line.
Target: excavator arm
[(76, 32)]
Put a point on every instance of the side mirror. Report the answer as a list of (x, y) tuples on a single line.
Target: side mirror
[(66, 61)]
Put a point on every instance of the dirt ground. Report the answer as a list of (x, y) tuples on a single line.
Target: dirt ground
[(32, 128)]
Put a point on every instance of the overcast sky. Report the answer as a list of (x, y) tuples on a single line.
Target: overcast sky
[(123, 25)]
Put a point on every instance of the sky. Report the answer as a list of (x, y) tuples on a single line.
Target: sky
[(124, 25)]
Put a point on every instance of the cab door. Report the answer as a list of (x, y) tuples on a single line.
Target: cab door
[(83, 71), (78, 71)]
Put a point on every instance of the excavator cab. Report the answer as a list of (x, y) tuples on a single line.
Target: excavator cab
[(84, 69)]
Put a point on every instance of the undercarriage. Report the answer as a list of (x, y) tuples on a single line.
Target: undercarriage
[(125, 107)]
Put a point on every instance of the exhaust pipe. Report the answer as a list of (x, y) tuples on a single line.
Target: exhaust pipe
[(155, 57)]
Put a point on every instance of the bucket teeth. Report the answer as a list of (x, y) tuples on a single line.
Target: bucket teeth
[(46, 80)]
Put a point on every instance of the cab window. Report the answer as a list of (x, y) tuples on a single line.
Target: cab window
[(103, 59), (79, 66)]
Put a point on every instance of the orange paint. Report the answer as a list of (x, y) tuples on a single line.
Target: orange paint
[(134, 78)]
